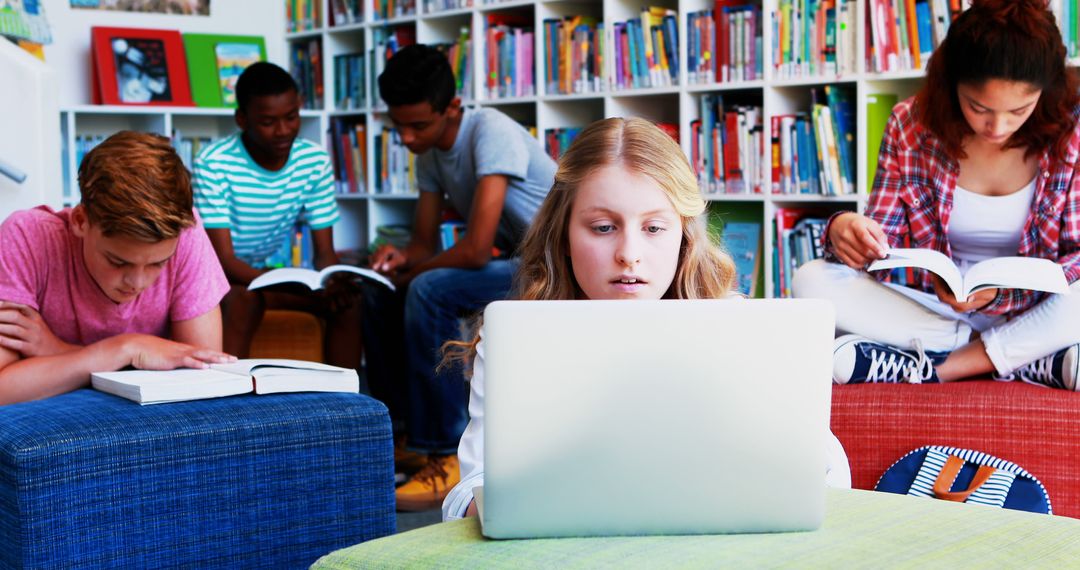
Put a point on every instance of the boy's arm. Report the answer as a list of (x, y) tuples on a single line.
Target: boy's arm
[(203, 330), (236, 270), (323, 242), (422, 244), (43, 376), (474, 249)]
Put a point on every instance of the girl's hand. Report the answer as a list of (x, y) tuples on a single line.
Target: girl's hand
[(976, 301), (471, 511), (152, 353), (24, 331), (857, 240)]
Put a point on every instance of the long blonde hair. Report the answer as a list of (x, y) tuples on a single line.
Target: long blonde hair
[(703, 270)]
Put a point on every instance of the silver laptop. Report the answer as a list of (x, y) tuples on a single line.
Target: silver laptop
[(655, 417)]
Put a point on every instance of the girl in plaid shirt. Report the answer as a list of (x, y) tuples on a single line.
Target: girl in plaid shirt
[(979, 164)]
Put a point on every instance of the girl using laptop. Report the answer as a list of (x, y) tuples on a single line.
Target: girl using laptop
[(622, 221), (979, 164)]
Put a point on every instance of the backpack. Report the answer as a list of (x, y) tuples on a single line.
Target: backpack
[(967, 476)]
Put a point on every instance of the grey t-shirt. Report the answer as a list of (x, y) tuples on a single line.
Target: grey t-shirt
[(489, 142)]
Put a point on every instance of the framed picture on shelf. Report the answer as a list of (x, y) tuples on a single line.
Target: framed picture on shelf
[(135, 66), (215, 62)]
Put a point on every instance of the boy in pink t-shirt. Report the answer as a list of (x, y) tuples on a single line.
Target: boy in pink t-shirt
[(103, 285)]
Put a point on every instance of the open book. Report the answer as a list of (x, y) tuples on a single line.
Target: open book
[(1001, 272), (313, 279), (261, 376)]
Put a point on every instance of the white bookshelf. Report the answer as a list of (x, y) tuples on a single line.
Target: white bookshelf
[(679, 104)]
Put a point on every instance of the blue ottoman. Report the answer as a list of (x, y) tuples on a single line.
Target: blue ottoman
[(92, 480)]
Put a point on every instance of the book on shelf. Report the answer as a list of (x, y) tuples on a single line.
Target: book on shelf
[(312, 279), (814, 152), (797, 239), (302, 15), (814, 38), (258, 376), (349, 74), (574, 55), (345, 12), (215, 61), (348, 138), (879, 108), (509, 56), (1032, 273), (645, 50), (388, 9), (459, 54), (726, 147), (305, 65), (385, 42), (556, 141), (742, 240)]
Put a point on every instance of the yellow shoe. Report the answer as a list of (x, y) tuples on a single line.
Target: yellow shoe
[(427, 489), (407, 462)]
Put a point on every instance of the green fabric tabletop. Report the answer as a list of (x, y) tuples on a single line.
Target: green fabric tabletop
[(862, 529)]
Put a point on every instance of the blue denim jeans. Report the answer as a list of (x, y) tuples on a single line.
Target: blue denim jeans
[(436, 302)]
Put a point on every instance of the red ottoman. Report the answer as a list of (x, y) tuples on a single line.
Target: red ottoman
[(1037, 428)]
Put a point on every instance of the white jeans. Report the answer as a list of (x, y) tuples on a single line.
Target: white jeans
[(897, 315)]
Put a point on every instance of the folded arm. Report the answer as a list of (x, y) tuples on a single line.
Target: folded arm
[(25, 377)]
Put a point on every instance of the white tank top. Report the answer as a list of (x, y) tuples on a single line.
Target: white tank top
[(982, 227)]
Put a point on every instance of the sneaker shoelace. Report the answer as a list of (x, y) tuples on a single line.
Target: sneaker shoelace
[(895, 365), (433, 472), (1040, 371)]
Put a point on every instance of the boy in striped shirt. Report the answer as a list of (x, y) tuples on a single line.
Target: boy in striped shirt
[(251, 188)]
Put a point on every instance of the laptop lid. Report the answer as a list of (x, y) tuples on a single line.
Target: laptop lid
[(655, 417)]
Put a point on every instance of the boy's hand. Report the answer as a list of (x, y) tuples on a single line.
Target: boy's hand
[(152, 353), (341, 292), (23, 330), (976, 301), (387, 259), (857, 240)]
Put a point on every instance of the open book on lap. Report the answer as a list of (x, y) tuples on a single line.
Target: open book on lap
[(259, 376), (314, 280), (1032, 273)]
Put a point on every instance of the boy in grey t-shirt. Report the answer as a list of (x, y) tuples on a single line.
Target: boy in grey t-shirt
[(491, 171)]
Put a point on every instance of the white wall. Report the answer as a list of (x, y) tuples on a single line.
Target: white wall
[(69, 54), (29, 130)]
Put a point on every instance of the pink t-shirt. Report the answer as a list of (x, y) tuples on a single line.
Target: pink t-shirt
[(41, 265)]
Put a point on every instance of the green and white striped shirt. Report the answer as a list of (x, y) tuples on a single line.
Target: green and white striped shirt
[(261, 207)]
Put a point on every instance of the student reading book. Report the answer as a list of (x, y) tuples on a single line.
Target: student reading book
[(259, 376), (1033, 273), (251, 189), (978, 165), (125, 278), (313, 279)]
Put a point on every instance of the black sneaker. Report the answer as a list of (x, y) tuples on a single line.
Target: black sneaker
[(858, 359), (1058, 370)]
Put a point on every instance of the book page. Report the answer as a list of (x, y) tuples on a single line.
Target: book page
[(286, 275), (361, 271), (1031, 273), (928, 259), (246, 366)]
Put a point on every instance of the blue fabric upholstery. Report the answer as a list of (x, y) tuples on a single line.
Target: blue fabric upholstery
[(92, 480)]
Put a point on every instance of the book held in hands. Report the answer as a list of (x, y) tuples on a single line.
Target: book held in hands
[(314, 280), (1032, 273), (259, 376)]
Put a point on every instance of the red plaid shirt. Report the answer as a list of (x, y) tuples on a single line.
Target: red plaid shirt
[(913, 197)]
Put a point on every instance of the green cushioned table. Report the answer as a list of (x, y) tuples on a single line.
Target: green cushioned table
[(862, 529)]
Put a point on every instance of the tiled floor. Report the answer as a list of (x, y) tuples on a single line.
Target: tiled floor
[(409, 521)]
